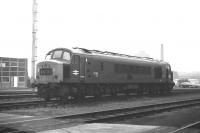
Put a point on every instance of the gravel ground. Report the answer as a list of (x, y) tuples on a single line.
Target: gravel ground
[(91, 105)]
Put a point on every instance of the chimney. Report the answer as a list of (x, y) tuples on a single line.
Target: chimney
[(162, 53)]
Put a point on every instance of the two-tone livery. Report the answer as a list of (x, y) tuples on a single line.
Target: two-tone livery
[(80, 72)]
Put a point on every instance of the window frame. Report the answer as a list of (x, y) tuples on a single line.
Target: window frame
[(51, 56)]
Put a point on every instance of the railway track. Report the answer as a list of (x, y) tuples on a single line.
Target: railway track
[(41, 124), (25, 104), (13, 92), (38, 102), (35, 101), (21, 95), (124, 113), (17, 96), (31, 94)]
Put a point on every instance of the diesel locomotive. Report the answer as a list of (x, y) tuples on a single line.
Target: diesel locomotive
[(79, 72)]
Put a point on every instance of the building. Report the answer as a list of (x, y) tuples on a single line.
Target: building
[(13, 72)]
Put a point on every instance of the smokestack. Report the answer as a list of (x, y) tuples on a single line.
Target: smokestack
[(34, 38), (162, 53)]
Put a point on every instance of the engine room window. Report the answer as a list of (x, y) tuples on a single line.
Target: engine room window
[(57, 54), (66, 56), (130, 69)]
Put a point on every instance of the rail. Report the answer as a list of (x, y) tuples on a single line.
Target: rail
[(188, 128)]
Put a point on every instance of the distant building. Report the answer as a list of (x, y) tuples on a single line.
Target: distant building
[(175, 75), (13, 72), (190, 75)]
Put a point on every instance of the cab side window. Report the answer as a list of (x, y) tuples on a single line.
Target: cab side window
[(66, 56)]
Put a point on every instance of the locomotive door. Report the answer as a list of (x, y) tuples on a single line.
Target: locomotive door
[(167, 74), (79, 70), (82, 69)]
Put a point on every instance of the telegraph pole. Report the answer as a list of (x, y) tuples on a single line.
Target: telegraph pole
[(34, 37)]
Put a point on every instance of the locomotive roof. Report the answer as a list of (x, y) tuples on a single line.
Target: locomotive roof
[(77, 50), (59, 49)]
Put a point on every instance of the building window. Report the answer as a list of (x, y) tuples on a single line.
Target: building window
[(5, 73), (21, 64), (5, 59), (21, 79), (13, 64), (13, 59), (21, 69), (7, 64), (21, 60), (6, 69), (13, 69), (2, 64), (6, 79), (13, 73), (21, 73)]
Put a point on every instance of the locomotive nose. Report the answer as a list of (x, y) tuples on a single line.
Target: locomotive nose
[(47, 72)]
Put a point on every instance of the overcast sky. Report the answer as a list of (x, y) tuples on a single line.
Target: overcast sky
[(124, 26)]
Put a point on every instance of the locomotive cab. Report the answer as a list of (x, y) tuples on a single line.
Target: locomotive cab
[(51, 69)]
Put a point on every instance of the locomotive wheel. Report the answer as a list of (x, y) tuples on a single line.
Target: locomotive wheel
[(165, 90), (78, 95), (63, 98), (162, 91), (47, 97), (126, 92), (102, 91), (151, 91), (139, 92), (168, 91), (155, 91), (97, 92), (113, 92), (73, 92), (81, 93)]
